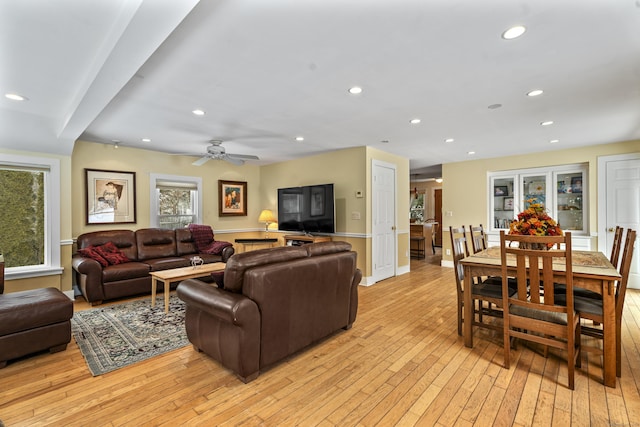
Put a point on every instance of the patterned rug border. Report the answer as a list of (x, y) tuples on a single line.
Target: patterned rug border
[(119, 335)]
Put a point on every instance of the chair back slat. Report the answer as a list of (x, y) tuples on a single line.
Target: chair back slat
[(459, 251), (615, 248), (625, 267), (478, 238)]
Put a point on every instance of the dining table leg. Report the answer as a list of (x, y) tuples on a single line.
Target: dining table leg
[(467, 327), (609, 333)]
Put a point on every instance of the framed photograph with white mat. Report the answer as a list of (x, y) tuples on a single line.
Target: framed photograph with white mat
[(110, 196)]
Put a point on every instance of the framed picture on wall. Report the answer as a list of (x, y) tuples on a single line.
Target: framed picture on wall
[(110, 196), (232, 198)]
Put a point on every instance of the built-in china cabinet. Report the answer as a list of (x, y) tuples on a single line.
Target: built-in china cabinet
[(561, 189)]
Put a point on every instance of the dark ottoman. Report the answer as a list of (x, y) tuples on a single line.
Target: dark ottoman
[(32, 321)]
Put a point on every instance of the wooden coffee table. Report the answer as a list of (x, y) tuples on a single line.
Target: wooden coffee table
[(177, 274)]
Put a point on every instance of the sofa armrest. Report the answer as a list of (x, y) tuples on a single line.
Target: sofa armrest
[(89, 278), (236, 309), (227, 252), (353, 307)]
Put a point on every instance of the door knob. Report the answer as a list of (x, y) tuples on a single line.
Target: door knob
[(611, 229)]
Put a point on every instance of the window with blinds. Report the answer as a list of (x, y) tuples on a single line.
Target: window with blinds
[(177, 202)]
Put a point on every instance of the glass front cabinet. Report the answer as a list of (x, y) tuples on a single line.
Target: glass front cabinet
[(561, 189)]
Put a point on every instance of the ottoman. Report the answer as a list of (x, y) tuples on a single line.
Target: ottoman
[(33, 321)]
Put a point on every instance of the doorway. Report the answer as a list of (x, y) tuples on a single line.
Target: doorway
[(383, 224), (619, 203), (437, 206)]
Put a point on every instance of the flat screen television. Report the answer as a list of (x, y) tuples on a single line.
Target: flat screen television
[(308, 209)]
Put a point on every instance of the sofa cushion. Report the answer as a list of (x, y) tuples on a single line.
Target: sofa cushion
[(91, 252), (323, 248), (166, 263), (239, 263), (184, 242), (125, 240), (155, 243), (112, 254), (128, 270)]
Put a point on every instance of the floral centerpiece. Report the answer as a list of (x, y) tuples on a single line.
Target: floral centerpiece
[(534, 221)]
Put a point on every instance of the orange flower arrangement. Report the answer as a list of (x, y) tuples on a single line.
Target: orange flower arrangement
[(534, 221)]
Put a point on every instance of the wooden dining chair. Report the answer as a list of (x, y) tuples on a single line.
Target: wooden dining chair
[(614, 258), (591, 308), (478, 238), (531, 313), (481, 291)]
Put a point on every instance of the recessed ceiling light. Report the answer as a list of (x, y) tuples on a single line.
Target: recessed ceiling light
[(514, 32), (198, 112), (299, 138), (449, 140), (414, 121), (438, 180), (494, 106), (547, 123), (553, 141), (146, 140), (535, 92), (355, 90), (15, 97), (471, 153)]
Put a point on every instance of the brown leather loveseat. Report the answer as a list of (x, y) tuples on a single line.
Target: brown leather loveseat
[(146, 249), (274, 303)]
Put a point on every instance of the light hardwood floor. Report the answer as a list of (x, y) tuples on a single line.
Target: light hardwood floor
[(402, 363)]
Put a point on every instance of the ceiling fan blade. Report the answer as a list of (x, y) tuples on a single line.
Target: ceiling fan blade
[(244, 156), (233, 160), (201, 161)]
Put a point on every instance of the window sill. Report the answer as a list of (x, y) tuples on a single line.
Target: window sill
[(29, 272)]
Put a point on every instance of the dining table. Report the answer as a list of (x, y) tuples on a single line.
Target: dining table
[(591, 270)]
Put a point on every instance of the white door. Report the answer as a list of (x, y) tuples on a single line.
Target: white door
[(621, 201), (383, 220)]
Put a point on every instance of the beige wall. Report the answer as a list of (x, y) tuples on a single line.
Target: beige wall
[(88, 155), (465, 183), (350, 171)]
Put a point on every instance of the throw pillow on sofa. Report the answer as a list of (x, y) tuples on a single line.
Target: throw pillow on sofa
[(112, 254), (90, 252)]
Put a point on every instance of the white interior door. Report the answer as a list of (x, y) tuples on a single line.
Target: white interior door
[(383, 221), (621, 204)]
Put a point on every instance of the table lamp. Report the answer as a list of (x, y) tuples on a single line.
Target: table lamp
[(267, 217)]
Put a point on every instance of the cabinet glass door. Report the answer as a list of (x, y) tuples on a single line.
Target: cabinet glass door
[(502, 209), (570, 214), (534, 190)]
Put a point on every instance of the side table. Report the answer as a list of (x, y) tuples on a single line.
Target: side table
[(253, 242)]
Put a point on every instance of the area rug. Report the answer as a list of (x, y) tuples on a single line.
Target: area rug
[(119, 335)]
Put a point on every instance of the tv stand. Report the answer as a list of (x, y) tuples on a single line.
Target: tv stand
[(303, 239)]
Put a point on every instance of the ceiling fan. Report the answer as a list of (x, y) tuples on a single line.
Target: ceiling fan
[(217, 151)]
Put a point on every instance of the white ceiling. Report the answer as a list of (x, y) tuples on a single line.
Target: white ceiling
[(266, 71)]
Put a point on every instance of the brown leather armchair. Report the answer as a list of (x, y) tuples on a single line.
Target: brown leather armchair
[(275, 302), (33, 321)]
